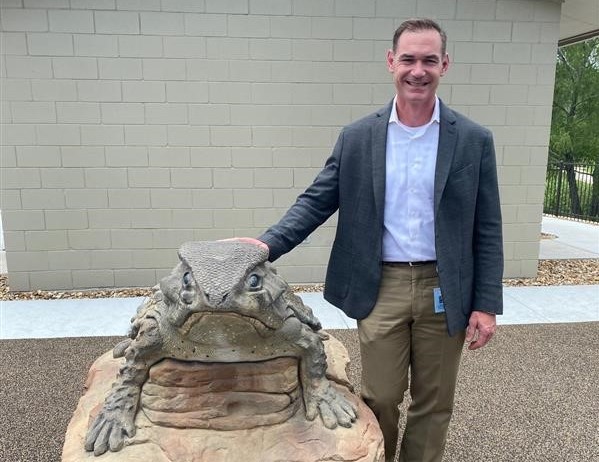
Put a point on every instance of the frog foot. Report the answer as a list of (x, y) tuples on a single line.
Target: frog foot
[(334, 408), (114, 422)]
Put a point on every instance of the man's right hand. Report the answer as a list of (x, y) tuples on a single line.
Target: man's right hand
[(249, 240)]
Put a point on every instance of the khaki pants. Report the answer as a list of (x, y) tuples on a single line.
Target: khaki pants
[(403, 332)]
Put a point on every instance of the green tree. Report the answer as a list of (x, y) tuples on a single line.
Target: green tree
[(575, 123)]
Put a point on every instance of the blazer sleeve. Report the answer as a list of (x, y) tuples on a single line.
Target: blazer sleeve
[(488, 241), (311, 209)]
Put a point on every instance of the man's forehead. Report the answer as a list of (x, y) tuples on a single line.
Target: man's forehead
[(425, 41)]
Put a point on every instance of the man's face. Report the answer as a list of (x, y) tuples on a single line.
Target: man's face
[(417, 66)]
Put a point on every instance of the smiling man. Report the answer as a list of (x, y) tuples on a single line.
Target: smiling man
[(417, 257)]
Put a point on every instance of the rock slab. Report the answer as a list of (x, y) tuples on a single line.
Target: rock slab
[(198, 412)]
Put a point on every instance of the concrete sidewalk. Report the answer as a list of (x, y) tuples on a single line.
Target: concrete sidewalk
[(523, 305)]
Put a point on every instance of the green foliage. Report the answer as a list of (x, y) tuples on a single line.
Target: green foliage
[(575, 123)]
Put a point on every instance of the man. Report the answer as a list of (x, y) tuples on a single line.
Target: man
[(417, 256)]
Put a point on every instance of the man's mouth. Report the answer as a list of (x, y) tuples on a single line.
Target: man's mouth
[(417, 84)]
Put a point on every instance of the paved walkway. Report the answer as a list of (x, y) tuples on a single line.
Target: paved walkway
[(523, 305)]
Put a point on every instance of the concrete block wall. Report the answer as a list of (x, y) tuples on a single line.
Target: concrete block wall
[(129, 127)]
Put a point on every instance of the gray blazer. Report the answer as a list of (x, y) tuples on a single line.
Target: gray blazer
[(468, 235)]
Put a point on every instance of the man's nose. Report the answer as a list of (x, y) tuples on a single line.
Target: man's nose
[(418, 69)]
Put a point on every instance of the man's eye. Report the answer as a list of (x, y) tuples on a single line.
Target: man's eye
[(255, 281), (187, 278)]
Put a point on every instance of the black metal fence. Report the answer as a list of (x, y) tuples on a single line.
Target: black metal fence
[(572, 190)]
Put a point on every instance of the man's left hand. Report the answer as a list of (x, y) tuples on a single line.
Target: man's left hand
[(481, 328)]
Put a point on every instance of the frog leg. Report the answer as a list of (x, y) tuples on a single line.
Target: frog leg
[(116, 420), (320, 397)]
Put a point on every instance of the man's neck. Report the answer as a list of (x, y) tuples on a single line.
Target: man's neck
[(414, 114)]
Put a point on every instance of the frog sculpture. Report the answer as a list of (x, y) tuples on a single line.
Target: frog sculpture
[(225, 303)]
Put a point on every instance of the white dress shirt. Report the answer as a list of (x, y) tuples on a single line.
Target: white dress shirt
[(409, 227)]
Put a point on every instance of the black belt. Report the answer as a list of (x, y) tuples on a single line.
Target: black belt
[(396, 264)]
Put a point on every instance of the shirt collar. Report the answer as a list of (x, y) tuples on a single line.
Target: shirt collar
[(393, 118)]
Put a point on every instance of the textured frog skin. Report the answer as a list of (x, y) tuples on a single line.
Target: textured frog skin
[(223, 302)]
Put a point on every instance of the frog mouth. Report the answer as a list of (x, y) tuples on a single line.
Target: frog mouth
[(225, 321)]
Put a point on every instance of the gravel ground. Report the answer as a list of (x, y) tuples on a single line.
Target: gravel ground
[(530, 395), (551, 272)]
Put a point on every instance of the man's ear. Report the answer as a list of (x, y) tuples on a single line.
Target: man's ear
[(390, 59), (445, 64)]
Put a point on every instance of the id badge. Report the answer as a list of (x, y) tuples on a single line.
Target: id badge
[(439, 305)]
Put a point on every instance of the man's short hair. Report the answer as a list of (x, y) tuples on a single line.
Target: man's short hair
[(417, 25)]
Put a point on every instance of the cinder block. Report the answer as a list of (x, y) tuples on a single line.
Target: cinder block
[(65, 219), (85, 199), (248, 26), (46, 240), (98, 135), (17, 134), (227, 6), (187, 92), (53, 90), (164, 69), (93, 4), (205, 114), (170, 198), (510, 175), (58, 134), (230, 136), (51, 280), (438, 9), (183, 5), (53, 178), (135, 277), (14, 43), (549, 33), (355, 8), (155, 258), (106, 177), (131, 238), (290, 71), (170, 238), (529, 213), (538, 95), (373, 28), (169, 156), (116, 22), (10, 199), (232, 218), (528, 32), (109, 219), (244, 71), (314, 7), (69, 260), (151, 219), (474, 52), (50, 44), (20, 178), (537, 136), (14, 240), (312, 50), (520, 115), (290, 27), (489, 73), (120, 68), (470, 94), (311, 136), (213, 234), (16, 89), (33, 112), (93, 279), (509, 94), (523, 74), (535, 194), (75, 68), (129, 198), (271, 93), (514, 11), (330, 115), (82, 113), (65, 20), (209, 156), (270, 49), (114, 259), (96, 45), (332, 28), (191, 178), (99, 90), (258, 114), (23, 220), (372, 73), (546, 74), (162, 23), (149, 177), (14, 19), (82, 156), (187, 135), (212, 198), (357, 93), (17, 280), (140, 46), (354, 50), (138, 5), (271, 136), (122, 113), (206, 25), (184, 47), (43, 3), (28, 67), (512, 53), (489, 115), (146, 135), (185, 219), (544, 53), (252, 157), (145, 92), (542, 115), (233, 48), (253, 198), (233, 178), (126, 156)]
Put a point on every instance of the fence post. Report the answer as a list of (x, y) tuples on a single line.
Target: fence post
[(559, 187)]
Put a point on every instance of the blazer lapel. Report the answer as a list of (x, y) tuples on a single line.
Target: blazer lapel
[(379, 155), (445, 152)]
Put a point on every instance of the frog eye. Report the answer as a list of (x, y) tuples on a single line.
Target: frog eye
[(255, 282), (187, 278)]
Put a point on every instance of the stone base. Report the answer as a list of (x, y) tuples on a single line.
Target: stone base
[(295, 439)]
